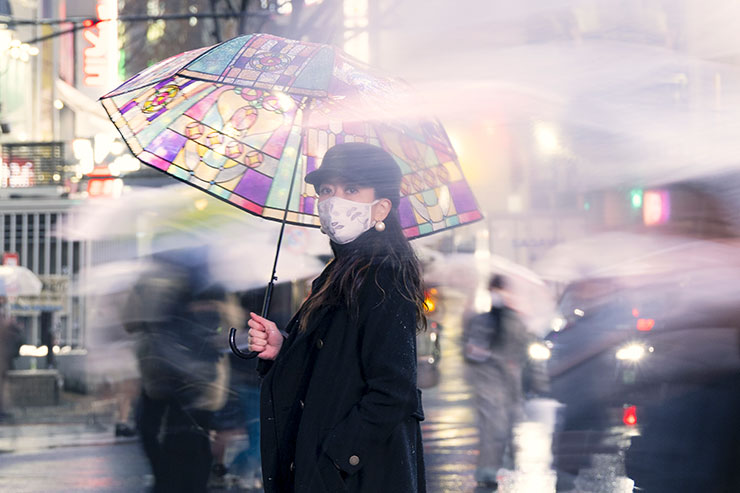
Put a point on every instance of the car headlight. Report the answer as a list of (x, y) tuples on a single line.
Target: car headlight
[(557, 324), (631, 352), (539, 351)]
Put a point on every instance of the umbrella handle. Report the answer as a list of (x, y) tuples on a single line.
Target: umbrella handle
[(235, 349)]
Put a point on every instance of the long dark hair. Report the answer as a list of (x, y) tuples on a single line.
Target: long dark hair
[(348, 271)]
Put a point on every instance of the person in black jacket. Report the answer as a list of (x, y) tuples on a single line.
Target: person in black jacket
[(340, 410), (175, 311)]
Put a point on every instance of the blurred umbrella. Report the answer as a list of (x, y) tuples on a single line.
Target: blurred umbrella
[(245, 120), (622, 254), (680, 278), (177, 216), (470, 274), (18, 281), (530, 295)]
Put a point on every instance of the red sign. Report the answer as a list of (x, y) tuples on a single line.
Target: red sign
[(99, 60), (104, 187), (11, 259)]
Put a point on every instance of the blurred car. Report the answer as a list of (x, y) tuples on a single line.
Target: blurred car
[(648, 365)]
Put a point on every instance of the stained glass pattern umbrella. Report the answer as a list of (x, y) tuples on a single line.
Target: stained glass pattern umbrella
[(241, 118), (247, 119)]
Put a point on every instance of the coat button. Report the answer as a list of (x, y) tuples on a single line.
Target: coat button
[(292, 466), (354, 460), (302, 404), (319, 344)]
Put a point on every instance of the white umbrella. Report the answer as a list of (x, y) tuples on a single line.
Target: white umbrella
[(470, 274), (622, 254), (18, 281)]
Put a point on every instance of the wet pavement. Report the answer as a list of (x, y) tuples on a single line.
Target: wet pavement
[(85, 456)]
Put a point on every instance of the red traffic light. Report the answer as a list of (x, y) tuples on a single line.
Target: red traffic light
[(629, 415)]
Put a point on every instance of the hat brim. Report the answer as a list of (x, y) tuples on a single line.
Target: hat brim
[(319, 176)]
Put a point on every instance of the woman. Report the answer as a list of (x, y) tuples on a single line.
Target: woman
[(339, 406)]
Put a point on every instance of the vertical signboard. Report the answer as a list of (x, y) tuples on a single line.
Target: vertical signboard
[(97, 46)]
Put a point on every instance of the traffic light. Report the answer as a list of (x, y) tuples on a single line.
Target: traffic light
[(90, 22), (636, 198)]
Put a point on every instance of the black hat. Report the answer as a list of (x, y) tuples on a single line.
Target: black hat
[(498, 282), (360, 164)]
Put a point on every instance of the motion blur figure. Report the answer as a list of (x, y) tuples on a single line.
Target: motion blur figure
[(176, 311), (239, 417), (110, 356), (10, 343), (496, 349)]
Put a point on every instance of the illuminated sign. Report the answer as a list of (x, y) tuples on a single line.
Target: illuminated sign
[(17, 174), (100, 58), (656, 207), (104, 187), (102, 184)]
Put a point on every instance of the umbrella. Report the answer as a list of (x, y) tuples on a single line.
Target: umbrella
[(632, 255), (467, 273), (245, 120), (18, 281)]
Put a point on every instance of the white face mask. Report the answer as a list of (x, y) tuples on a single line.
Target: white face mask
[(497, 301), (344, 220)]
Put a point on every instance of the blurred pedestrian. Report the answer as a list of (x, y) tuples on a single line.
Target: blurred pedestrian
[(496, 344), (11, 338), (239, 419), (176, 313), (237, 423), (48, 337), (112, 367), (340, 410)]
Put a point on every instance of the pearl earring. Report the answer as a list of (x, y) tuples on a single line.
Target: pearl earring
[(380, 226)]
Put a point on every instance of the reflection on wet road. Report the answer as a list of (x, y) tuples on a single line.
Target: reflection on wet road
[(450, 434)]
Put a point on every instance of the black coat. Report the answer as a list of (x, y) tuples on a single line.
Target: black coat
[(340, 410)]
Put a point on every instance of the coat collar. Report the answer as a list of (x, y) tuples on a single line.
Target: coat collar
[(315, 321)]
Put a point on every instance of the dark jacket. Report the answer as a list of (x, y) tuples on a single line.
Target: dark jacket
[(340, 410)]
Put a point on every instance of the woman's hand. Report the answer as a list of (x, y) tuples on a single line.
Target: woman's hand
[(264, 337)]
